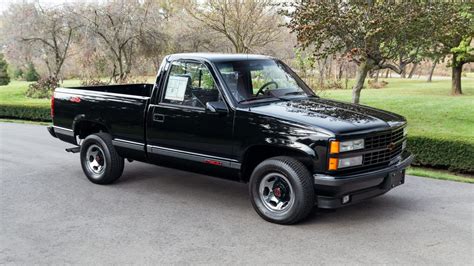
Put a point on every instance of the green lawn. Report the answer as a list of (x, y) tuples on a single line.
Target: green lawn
[(14, 93), (428, 107), (440, 174)]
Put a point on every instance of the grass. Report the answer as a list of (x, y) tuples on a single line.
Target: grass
[(440, 174), (428, 107), (14, 93)]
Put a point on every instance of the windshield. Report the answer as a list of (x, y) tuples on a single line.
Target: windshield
[(261, 79)]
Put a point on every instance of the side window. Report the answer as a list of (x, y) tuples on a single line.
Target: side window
[(190, 84)]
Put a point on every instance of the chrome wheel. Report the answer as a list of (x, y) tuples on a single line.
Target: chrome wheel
[(276, 192), (95, 159)]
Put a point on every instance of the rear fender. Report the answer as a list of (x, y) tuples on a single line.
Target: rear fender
[(83, 127)]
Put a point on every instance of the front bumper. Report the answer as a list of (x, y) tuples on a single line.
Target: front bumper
[(331, 190)]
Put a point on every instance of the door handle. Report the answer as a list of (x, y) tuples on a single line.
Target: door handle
[(160, 118)]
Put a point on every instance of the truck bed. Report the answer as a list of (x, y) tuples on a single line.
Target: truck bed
[(119, 109)]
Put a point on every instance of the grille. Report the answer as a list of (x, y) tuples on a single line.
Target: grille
[(383, 156), (381, 141)]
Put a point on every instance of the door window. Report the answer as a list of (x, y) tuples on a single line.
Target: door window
[(190, 84)]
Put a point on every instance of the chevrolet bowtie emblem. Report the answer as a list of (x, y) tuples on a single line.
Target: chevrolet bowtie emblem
[(391, 146)]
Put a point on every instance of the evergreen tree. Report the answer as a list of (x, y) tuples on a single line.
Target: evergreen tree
[(18, 74), (31, 74), (4, 77)]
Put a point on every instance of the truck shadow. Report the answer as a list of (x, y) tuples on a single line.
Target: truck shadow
[(216, 193), (369, 211)]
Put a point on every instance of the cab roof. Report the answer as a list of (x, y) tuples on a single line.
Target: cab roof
[(217, 57)]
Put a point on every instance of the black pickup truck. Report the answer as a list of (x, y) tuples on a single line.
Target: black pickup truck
[(244, 117)]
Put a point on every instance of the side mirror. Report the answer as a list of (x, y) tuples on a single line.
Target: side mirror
[(216, 107)]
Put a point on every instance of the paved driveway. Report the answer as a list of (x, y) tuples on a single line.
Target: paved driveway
[(50, 213)]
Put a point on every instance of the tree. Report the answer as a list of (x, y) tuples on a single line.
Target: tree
[(18, 73), (364, 31), (4, 77), (31, 74), (247, 25), (120, 27), (52, 30), (413, 69), (17, 52), (453, 35)]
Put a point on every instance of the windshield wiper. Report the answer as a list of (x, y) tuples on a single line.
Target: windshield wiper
[(300, 92), (275, 97), (256, 98), (294, 93)]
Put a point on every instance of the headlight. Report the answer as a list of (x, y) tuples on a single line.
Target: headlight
[(405, 131), (351, 161), (338, 163), (351, 145), (343, 146)]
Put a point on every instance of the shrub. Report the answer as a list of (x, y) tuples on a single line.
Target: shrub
[(44, 88), (31, 74), (329, 85), (93, 82), (18, 74), (332, 85), (453, 154), (26, 112), (138, 80), (4, 77), (377, 85)]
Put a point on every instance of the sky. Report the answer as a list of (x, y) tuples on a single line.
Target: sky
[(5, 3)]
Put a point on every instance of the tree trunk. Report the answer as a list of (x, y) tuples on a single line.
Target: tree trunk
[(346, 79), (339, 72), (321, 68), (412, 71), (403, 73), (386, 73), (362, 70), (433, 66), (377, 76), (456, 80)]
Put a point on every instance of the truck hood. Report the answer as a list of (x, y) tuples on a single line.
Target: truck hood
[(337, 117)]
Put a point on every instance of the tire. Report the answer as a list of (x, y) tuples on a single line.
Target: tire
[(99, 160), (281, 190)]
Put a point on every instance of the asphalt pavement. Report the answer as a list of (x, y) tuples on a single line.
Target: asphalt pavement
[(51, 214)]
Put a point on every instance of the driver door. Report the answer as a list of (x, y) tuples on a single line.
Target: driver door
[(179, 125)]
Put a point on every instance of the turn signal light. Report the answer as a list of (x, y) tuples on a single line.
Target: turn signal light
[(333, 163), (334, 147)]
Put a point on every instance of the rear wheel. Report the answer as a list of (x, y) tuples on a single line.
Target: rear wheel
[(99, 160), (282, 190)]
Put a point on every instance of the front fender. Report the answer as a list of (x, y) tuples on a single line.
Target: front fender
[(297, 146)]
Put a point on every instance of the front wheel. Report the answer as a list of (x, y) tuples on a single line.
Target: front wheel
[(99, 160), (281, 190)]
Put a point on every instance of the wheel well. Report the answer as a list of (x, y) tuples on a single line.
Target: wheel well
[(86, 128), (257, 154)]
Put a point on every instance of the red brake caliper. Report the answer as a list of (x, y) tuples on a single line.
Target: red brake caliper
[(277, 192)]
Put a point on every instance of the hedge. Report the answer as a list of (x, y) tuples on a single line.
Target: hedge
[(28, 112), (453, 154)]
